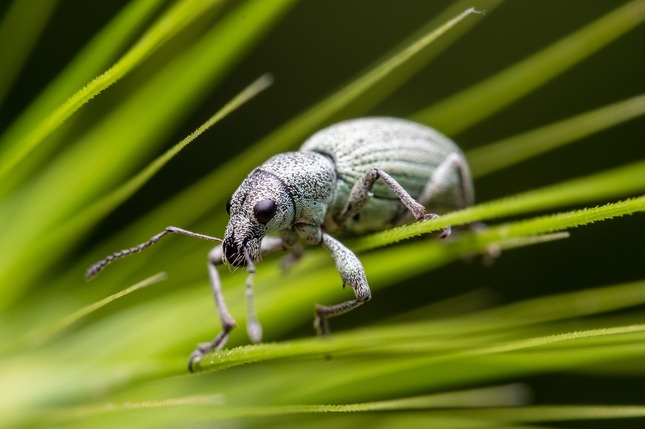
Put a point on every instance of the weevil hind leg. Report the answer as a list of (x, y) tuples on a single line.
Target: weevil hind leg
[(442, 178), (492, 251), (463, 195), (352, 273)]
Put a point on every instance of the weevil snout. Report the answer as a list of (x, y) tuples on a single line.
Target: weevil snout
[(234, 253), (242, 241)]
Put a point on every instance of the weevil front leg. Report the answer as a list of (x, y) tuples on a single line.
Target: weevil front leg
[(360, 195), (269, 245), (352, 273), (228, 323)]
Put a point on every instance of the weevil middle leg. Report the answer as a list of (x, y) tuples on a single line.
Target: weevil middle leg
[(349, 267), (347, 263), (352, 273)]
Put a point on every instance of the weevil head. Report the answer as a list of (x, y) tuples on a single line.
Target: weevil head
[(260, 205)]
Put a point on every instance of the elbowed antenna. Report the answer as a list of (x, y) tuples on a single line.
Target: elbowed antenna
[(95, 269)]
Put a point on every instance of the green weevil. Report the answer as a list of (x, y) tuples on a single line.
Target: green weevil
[(359, 176)]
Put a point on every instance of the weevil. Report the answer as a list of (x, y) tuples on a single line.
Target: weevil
[(358, 176)]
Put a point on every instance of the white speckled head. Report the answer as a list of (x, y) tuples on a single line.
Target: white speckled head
[(259, 206)]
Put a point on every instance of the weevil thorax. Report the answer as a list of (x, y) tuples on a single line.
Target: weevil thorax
[(288, 189)]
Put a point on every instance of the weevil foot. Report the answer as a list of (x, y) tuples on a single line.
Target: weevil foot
[(205, 348), (254, 330), (291, 258), (444, 232), (196, 356), (324, 312), (492, 251), (321, 324)]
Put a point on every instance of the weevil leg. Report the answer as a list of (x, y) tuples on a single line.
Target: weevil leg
[(269, 245), (253, 327), (442, 179), (360, 195), (493, 251), (464, 194), (289, 239), (228, 323), (352, 273)]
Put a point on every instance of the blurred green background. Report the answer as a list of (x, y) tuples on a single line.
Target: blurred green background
[(314, 49)]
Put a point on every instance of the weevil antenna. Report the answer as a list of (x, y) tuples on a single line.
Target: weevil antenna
[(95, 269)]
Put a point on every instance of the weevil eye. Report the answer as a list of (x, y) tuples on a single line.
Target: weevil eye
[(264, 210), (228, 205)]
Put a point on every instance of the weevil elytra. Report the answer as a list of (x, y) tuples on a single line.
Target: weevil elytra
[(360, 175)]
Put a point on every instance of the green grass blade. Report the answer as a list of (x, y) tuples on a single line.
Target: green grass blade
[(118, 196), (626, 180), (96, 56), (177, 18), (592, 301), (285, 137), (572, 219), (435, 343), (440, 329), (446, 335), (205, 409), (127, 134), (513, 150), (399, 76), (470, 106), (445, 368), (20, 28), (45, 334), (63, 237), (542, 414), (312, 119), (497, 396)]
